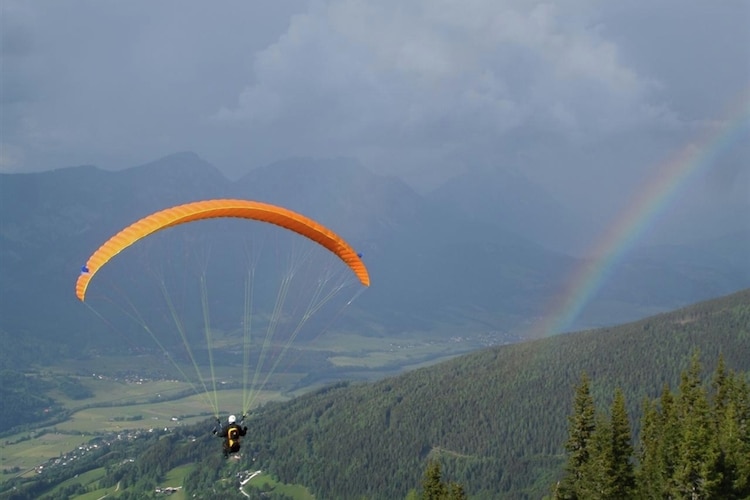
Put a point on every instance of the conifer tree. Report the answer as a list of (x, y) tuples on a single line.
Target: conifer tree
[(669, 442), (620, 468), (650, 475), (581, 425), (696, 471), (595, 481), (721, 386), (733, 431), (608, 472), (433, 487), (432, 484), (456, 492), (741, 455)]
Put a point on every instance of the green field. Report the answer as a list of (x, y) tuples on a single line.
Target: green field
[(90, 480), (175, 478), (83, 425), (26, 455), (121, 404), (268, 484), (397, 352)]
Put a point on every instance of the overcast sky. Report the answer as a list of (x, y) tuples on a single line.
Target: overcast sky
[(580, 95)]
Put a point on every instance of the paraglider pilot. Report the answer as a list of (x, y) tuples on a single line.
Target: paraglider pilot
[(231, 433)]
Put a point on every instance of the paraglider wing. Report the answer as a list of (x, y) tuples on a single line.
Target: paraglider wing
[(244, 209)]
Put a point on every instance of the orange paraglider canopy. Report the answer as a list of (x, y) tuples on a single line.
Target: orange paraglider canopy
[(199, 210)]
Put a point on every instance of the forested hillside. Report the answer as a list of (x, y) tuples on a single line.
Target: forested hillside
[(496, 420)]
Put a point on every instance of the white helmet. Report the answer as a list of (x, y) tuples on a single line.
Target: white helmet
[(232, 419)]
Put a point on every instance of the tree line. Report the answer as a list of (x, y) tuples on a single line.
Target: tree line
[(693, 443)]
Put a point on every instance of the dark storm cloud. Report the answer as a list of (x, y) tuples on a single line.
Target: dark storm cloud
[(120, 83), (584, 97)]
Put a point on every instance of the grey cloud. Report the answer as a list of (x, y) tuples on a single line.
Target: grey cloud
[(400, 79), (118, 84), (419, 90), (585, 97), (699, 51)]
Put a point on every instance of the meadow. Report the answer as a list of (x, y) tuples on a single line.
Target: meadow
[(126, 403), (268, 484)]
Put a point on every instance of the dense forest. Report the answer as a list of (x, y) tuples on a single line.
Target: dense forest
[(23, 399), (694, 443), (496, 421)]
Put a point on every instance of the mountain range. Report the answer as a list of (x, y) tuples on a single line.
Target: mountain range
[(447, 258)]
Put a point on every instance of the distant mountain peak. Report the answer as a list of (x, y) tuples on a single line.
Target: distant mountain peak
[(182, 161)]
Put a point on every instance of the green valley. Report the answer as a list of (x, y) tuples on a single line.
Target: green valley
[(496, 419)]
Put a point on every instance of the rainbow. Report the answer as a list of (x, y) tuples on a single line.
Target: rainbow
[(625, 230)]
